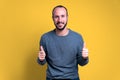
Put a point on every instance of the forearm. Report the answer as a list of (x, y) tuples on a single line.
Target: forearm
[(82, 61), (41, 62)]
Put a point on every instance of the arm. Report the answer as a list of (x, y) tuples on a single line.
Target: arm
[(83, 56), (42, 54), (41, 62), (81, 61)]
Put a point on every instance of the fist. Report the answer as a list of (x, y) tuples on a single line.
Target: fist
[(84, 52), (41, 54)]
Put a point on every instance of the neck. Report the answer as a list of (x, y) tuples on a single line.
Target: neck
[(63, 32)]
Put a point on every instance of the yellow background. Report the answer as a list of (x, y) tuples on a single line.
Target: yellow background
[(22, 22)]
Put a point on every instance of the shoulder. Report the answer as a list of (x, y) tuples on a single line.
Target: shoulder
[(47, 34), (77, 38), (76, 34)]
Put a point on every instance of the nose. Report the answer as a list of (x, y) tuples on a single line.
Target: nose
[(59, 19)]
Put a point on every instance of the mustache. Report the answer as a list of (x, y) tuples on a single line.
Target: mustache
[(60, 22)]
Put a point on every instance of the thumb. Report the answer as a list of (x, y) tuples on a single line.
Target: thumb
[(41, 48), (84, 45)]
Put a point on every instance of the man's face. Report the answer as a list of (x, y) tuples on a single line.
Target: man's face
[(60, 18)]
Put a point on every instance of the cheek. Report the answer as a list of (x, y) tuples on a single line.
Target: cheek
[(55, 20), (65, 19)]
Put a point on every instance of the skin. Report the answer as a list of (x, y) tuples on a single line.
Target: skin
[(60, 19)]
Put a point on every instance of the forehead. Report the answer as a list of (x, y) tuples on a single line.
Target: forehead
[(59, 11)]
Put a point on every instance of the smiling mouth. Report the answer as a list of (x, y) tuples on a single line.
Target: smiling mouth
[(60, 23)]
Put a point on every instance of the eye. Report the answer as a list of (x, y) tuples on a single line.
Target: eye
[(62, 15), (55, 16)]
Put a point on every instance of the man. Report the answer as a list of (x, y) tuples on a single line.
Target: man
[(62, 48)]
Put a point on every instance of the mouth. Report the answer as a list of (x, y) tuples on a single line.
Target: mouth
[(59, 23)]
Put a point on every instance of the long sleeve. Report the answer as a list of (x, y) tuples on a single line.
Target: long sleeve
[(42, 43), (63, 54), (81, 61), (41, 62)]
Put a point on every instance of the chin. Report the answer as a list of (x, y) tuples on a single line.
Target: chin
[(60, 28)]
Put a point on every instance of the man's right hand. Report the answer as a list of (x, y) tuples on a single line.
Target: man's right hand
[(41, 54)]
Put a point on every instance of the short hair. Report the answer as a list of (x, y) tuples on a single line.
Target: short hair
[(59, 6)]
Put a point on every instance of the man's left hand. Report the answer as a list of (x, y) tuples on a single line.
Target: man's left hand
[(84, 52)]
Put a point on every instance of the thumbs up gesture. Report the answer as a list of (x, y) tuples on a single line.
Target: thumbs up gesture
[(84, 52), (41, 54)]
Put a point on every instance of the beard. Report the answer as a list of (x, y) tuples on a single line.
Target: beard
[(60, 29)]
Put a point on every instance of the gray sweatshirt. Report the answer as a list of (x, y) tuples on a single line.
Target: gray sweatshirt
[(63, 54)]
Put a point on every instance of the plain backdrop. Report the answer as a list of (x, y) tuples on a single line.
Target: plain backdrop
[(22, 22)]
